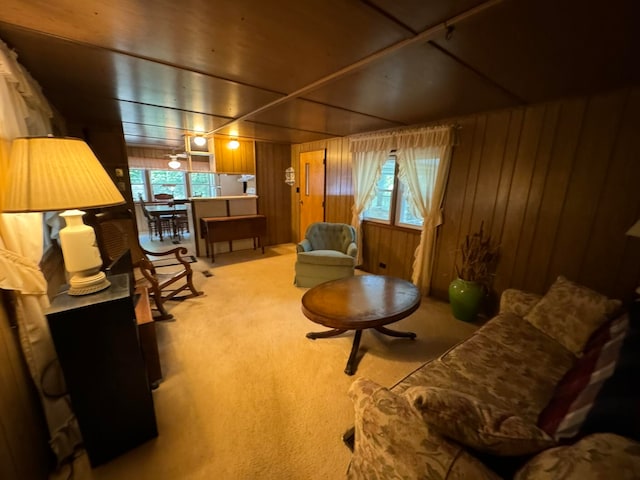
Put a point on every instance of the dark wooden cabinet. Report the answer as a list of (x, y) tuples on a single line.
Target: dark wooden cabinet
[(96, 339)]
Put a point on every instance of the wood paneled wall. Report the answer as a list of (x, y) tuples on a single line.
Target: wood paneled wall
[(240, 160), (107, 142), (274, 196), (554, 183), (388, 250)]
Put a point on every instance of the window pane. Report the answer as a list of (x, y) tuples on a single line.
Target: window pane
[(168, 181), (380, 207), (136, 176), (202, 184), (406, 215)]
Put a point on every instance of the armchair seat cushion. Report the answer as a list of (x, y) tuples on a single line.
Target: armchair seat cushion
[(326, 257)]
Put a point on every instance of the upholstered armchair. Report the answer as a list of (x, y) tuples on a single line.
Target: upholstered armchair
[(327, 252)]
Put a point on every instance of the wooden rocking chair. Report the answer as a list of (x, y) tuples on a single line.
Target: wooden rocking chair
[(116, 232)]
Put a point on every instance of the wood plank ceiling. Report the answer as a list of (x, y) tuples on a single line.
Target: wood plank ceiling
[(291, 71)]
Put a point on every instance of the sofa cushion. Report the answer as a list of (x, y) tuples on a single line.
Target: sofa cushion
[(570, 313), (393, 441), (476, 424), (596, 457), (520, 376)]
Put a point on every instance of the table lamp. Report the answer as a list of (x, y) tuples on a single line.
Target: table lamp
[(52, 174)]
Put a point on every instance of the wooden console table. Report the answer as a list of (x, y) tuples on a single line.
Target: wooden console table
[(147, 336), (221, 229)]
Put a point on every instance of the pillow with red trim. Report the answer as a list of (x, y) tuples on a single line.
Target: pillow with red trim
[(601, 392)]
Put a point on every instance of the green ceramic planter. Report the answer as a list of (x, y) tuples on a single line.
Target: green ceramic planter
[(465, 298)]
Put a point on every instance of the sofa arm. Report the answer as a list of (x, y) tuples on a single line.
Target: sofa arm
[(303, 246), (352, 250), (390, 436), (518, 302)]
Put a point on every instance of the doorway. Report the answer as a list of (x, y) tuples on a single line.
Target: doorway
[(312, 188)]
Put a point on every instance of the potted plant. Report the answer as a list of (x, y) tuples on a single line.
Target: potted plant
[(477, 257)]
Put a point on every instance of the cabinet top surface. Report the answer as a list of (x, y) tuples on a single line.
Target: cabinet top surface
[(223, 197), (63, 301)]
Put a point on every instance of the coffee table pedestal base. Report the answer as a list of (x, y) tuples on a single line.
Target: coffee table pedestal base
[(350, 369)]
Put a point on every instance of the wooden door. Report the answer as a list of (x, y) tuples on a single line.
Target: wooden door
[(311, 189)]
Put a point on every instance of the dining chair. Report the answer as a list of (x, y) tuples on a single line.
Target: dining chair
[(156, 224), (116, 232), (180, 222)]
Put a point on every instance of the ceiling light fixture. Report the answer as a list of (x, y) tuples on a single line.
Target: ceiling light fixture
[(199, 140), (233, 144), (174, 162)]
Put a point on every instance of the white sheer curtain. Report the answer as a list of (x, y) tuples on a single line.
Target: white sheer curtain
[(24, 111), (423, 166), (368, 155), (423, 157)]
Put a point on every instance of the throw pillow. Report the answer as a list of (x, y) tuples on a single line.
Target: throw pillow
[(601, 392), (478, 425), (569, 313), (393, 441)]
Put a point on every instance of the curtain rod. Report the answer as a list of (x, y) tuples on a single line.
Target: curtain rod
[(394, 132)]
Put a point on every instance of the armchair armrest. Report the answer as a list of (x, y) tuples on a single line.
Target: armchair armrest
[(303, 246), (352, 250), (177, 252)]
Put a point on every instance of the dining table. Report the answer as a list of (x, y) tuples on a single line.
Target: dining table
[(167, 209)]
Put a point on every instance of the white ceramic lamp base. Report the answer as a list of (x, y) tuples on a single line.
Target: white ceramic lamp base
[(81, 255)]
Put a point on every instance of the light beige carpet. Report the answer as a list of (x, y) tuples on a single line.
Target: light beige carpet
[(246, 395)]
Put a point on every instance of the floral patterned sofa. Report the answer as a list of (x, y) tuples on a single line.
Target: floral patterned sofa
[(476, 412)]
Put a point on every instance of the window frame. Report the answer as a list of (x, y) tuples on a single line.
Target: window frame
[(395, 204), (145, 184)]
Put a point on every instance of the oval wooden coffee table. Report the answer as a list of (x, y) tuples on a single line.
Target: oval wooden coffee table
[(357, 303)]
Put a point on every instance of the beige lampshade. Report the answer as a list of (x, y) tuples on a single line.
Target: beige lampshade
[(634, 231), (53, 173)]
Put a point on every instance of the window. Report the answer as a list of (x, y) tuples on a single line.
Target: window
[(168, 181), (405, 216), (392, 203), (380, 206), (202, 184), (138, 184)]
